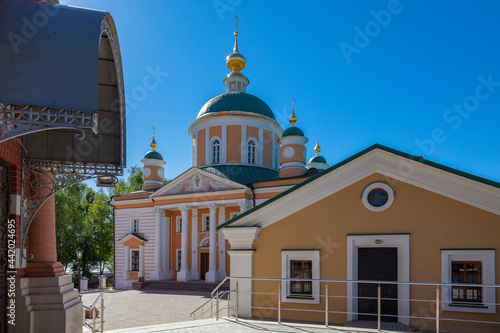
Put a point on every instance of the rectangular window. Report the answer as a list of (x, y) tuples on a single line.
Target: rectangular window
[(178, 225), (468, 273), (135, 225), (463, 266), (301, 269), (134, 262), (206, 222), (300, 264), (179, 258)]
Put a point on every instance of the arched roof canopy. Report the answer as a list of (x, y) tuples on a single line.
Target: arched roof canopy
[(62, 71)]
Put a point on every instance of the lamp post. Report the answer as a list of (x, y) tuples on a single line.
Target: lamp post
[(79, 255)]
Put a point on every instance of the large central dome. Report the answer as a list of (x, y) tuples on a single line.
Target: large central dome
[(236, 101)]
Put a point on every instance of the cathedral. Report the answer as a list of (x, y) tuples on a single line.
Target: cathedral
[(241, 158)]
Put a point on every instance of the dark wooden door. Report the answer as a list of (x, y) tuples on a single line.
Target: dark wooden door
[(378, 264), (4, 215), (204, 265)]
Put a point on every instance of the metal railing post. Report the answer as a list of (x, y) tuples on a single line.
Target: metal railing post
[(93, 319), (379, 308), (228, 300), (326, 304), (217, 306), (236, 303), (279, 302), (102, 312), (437, 310), (211, 309)]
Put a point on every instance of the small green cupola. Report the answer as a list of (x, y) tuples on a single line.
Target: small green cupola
[(317, 162), (153, 172)]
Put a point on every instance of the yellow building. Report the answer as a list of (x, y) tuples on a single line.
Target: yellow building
[(253, 206)]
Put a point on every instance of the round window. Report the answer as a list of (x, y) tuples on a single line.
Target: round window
[(377, 197)]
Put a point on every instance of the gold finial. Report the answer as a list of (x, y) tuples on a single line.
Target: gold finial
[(293, 117), (317, 148), (235, 50), (153, 144)]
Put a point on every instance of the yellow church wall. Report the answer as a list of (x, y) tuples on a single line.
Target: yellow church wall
[(233, 153), (252, 132), (215, 131), (268, 149), (433, 222), (297, 157), (201, 147)]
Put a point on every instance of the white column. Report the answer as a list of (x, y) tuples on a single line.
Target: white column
[(157, 271), (126, 275), (183, 274), (222, 245), (166, 257), (211, 275), (194, 244), (241, 253), (141, 261)]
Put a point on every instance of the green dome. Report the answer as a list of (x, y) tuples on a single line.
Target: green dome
[(236, 101), (153, 155), (293, 131), (317, 159)]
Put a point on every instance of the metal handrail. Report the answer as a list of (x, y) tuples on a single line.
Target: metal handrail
[(222, 294), (94, 309), (233, 301), (218, 286)]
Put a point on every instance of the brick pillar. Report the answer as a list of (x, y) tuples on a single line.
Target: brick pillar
[(42, 243)]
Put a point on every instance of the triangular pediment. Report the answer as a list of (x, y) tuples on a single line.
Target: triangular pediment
[(469, 189), (196, 180)]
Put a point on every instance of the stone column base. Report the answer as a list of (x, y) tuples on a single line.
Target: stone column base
[(212, 276), (183, 275), (47, 304)]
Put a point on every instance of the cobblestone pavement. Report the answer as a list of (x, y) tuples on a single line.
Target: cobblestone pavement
[(225, 325), (133, 308)]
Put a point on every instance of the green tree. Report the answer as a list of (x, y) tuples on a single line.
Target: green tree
[(100, 216), (133, 183), (71, 224)]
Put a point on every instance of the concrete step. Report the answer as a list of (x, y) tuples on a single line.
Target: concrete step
[(190, 285)]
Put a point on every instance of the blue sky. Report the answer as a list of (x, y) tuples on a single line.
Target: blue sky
[(419, 76)]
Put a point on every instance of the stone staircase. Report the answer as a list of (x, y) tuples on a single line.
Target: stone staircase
[(189, 285)]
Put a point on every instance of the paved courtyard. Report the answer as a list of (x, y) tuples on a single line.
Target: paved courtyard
[(133, 308)]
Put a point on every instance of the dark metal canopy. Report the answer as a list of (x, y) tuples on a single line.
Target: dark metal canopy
[(61, 89)]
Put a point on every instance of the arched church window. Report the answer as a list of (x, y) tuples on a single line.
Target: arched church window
[(216, 151), (251, 152)]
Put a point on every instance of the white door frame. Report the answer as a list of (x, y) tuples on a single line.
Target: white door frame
[(399, 241)]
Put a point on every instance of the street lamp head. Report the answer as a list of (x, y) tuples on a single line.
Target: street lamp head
[(79, 253)]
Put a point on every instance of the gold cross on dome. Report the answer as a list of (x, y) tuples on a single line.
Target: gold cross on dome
[(293, 103), (236, 18), (154, 131)]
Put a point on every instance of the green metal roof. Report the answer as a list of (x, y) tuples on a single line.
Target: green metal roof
[(243, 174), (293, 131), (317, 159), (347, 160), (236, 101), (153, 154)]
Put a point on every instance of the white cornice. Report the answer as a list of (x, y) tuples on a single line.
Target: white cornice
[(241, 238), (130, 201), (240, 119), (453, 186)]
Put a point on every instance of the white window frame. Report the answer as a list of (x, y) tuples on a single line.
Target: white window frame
[(286, 257), (212, 160), (178, 259), (204, 226), (178, 224), (487, 259), (383, 186), (255, 152), (133, 226), (139, 263), (402, 243)]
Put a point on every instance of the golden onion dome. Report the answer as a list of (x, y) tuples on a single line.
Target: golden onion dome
[(236, 61)]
